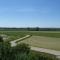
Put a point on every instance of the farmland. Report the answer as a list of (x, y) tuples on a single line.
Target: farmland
[(40, 39), (43, 42), (34, 33), (43, 39)]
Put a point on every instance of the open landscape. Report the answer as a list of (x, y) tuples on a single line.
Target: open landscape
[(29, 29), (42, 39), (39, 39), (44, 42)]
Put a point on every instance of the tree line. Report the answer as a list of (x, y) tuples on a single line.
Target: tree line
[(30, 29)]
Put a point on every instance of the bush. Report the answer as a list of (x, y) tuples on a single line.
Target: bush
[(22, 52), (1, 39), (22, 48), (6, 53)]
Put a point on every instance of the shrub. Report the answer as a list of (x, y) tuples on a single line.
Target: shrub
[(22, 52), (6, 52), (23, 48), (1, 39)]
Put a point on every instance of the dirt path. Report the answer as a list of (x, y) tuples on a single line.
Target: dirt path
[(13, 43), (54, 52)]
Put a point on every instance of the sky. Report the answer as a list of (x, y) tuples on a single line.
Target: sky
[(30, 13)]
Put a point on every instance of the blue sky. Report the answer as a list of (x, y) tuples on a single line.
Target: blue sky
[(30, 13)]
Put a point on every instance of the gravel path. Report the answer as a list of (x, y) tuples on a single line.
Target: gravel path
[(54, 52)]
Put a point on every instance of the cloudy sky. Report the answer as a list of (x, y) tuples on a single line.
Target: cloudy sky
[(30, 13)]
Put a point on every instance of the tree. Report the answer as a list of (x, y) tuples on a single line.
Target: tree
[(37, 28)]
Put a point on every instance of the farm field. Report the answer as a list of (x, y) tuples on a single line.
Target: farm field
[(43, 39), (43, 42), (34, 33), (18, 34)]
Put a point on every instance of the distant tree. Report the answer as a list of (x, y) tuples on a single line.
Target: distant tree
[(37, 28), (28, 28)]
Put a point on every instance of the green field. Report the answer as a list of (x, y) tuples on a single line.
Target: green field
[(12, 35), (43, 39), (34, 33), (45, 33)]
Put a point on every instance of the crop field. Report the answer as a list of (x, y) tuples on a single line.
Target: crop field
[(43, 39), (34, 33)]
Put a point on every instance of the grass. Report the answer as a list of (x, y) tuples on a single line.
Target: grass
[(43, 42), (44, 39), (35, 33), (45, 55), (45, 33), (12, 35), (22, 52)]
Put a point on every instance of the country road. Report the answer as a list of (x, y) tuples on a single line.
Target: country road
[(49, 51)]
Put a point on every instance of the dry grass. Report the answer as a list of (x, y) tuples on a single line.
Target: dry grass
[(43, 42)]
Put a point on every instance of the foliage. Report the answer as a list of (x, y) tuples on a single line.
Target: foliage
[(10, 53), (1, 39), (21, 52), (22, 48)]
